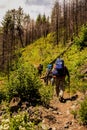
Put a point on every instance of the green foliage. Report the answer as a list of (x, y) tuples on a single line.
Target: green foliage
[(81, 40), (46, 94), (24, 83), (74, 113), (3, 89), (2, 95), (42, 51), (75, 59), (82, 87), (21, 121), (83, 112)]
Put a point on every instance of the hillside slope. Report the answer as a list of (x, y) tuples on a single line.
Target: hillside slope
[(44, 51), (61, 116), (56, 115)]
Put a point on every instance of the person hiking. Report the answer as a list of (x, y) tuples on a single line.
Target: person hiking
[(40, 69), (60, 71), (48, 74)]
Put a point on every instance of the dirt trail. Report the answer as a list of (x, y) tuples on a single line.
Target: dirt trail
[(58, 116)]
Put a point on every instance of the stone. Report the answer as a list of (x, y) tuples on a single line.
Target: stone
[(14, 104)]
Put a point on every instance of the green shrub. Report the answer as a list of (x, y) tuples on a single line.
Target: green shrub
[(46, 94), (3, 90), (83, 112), (24, 83), (81, 40), (74, 113), (2, 95), (21, 121)]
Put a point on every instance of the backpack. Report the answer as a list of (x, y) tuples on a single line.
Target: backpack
[(59, 68), (49, 69), (49, 66)]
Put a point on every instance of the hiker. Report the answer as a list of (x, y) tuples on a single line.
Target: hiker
[(59, 72), (53, 76), (40, 69), (48, 73)]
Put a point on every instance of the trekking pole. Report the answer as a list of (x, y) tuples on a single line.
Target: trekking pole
[(69, 91)]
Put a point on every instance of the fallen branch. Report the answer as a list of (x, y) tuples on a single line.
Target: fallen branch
[(62, 53)]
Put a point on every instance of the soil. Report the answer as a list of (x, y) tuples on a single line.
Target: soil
[(58, 116)]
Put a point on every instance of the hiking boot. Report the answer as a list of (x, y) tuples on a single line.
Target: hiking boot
[(61, 99)]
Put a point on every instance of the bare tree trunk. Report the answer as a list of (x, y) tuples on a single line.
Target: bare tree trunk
[(20, 36), (65, 23), (57, 29), (76, 17)]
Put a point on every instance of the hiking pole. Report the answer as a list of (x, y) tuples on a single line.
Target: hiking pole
[(69, 89)]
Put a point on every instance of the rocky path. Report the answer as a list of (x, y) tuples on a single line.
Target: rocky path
[(58, 115)]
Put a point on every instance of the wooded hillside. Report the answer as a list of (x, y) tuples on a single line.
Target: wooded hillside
[(26, 101), (19, 30)]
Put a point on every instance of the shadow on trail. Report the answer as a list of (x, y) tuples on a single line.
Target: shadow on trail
[(73, 98)]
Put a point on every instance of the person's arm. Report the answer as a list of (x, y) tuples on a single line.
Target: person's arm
[(67, 73)]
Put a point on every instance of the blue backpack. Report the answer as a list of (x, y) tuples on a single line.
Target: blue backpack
[(59, 68), (49, 66)]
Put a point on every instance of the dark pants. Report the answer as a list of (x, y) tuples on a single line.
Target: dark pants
[(60, 86)]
